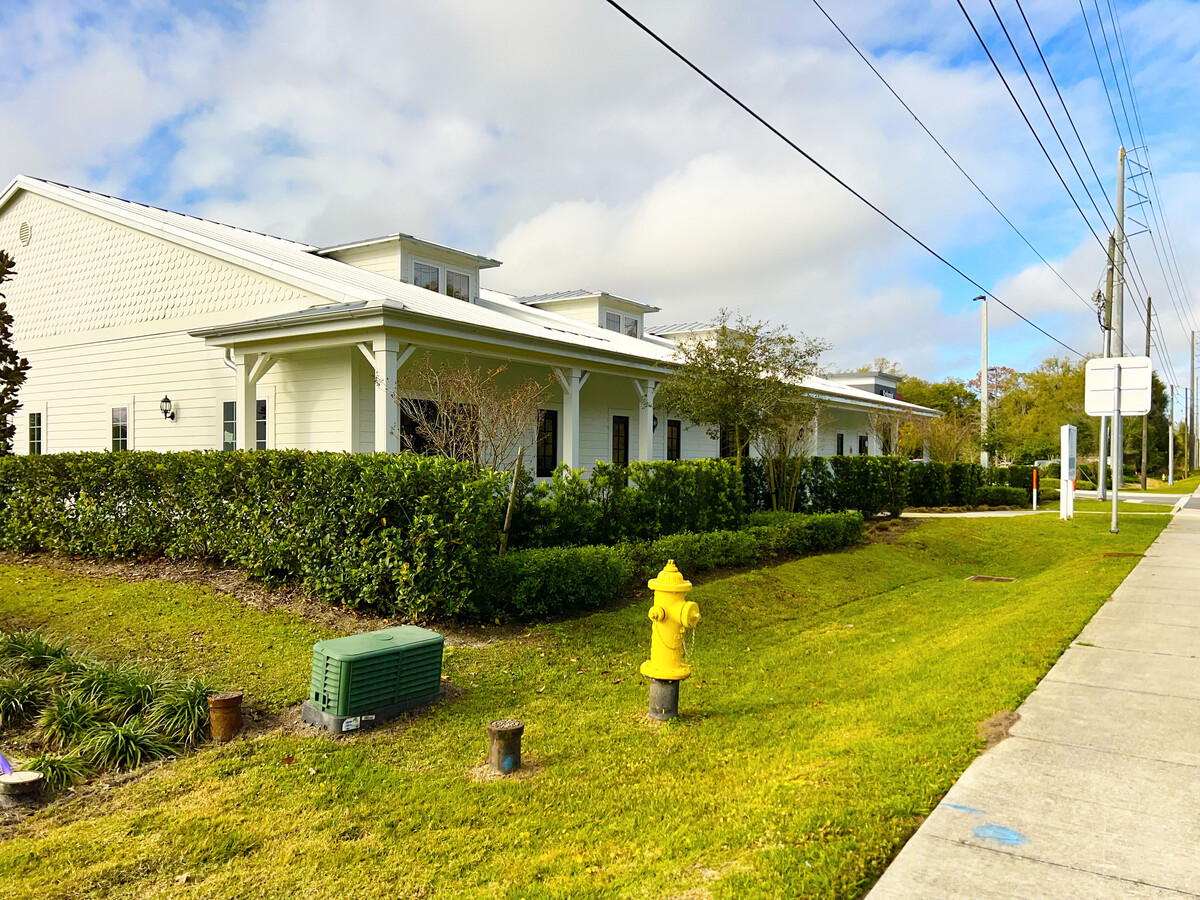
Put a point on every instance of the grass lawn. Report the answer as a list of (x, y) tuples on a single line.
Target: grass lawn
[(1090, 505), (834, 699), (1181, 486)]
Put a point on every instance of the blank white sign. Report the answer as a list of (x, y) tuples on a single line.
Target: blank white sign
[(1100, 381)]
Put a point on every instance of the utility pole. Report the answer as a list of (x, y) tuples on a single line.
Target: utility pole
[(1102, 475), (1118, 431), (983, 390), (1146, 418), (1191, 411), (1171, 441)]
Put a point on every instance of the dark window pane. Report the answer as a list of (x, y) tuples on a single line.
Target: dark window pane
[(260, 425), (631, 326), (120, 428), (612, 321), (841, 445), (229, 425), (413, 434), (458, 286), (426, 276), (674, 438), (863, 449), (35, 434), (547, 443), (620, 440)]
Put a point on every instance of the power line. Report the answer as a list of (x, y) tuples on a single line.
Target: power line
[(1100, 68), (1037, 46), (779, 134), (1032, 130), (948, 154), (1042, 104), (1116, 81)]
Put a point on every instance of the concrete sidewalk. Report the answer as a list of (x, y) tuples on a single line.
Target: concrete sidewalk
[(1096, 793)]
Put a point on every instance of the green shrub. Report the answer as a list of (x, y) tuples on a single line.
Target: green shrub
[(548, 582), (67, 718), (399, 532), (528, 584), (1000, 495), (180, 711), (819, 487), (641, 502), (121, 746), (871, 484), (21, 700), (965, 480), (928, 484), (30, 651), (59, 772)]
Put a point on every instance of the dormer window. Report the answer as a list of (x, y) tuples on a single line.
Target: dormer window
[(458, 286), (624, 324), (426, 276)]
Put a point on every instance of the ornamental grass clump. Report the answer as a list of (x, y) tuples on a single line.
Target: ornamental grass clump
[(180, 711), (67, 718), (30, 651), (120, 690), (21, 700), (59, 772), (121, 746)]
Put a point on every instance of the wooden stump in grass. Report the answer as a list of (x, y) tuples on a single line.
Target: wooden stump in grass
[(21, 789)]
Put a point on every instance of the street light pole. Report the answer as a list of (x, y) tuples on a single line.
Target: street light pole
[(983, 389)]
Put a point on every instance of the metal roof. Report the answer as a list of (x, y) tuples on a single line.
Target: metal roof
[(582, 294), (484, 262), (684, 328)]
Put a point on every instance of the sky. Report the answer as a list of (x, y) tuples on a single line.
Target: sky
[(557, 137)]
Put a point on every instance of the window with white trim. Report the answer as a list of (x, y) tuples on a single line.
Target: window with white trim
[(427, 276), (35, 433), (612, 321), (458, 285), (120, 428), (229, 425), (260, 425)]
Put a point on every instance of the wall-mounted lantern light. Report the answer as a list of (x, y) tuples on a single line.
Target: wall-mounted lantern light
[(168, 410), (656, 423)]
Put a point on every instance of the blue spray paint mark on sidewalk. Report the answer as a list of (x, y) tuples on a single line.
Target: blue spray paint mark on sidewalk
[(968, 809), (1000, 834)]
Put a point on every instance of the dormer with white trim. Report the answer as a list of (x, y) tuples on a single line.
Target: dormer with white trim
[(597, 308), (425, 264)]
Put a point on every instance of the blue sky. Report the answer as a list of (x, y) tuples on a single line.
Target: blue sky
[(562, 141)]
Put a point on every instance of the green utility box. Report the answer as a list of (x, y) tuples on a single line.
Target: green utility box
[(366, 678)]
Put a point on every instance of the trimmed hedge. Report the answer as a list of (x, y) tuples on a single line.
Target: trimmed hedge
[(641, 502), (928, 484), (965, 480), (1001, 495), (538, 583), (402, 533)]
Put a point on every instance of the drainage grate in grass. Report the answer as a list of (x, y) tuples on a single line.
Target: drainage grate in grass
[(989, 578), (1118, 555)]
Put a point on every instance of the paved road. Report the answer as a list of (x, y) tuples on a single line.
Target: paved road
[(1096, 793)]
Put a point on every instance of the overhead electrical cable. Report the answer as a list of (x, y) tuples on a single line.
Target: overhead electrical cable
[(1113, 65), (1049, 118), (1032, 130), (948, 154), (779, 134), (1100, 68), (1063, 103)]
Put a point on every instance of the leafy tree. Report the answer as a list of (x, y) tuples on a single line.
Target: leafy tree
[(951, 396), (745, 378), (13, 366)]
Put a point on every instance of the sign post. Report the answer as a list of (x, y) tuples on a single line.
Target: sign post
[(1035, 474), (1066, 492), (1118, 386)]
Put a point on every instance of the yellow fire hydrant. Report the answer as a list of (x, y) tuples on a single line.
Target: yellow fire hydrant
[(671, 615)]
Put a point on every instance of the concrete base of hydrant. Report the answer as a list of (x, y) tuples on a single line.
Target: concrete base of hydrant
[(664, 699)]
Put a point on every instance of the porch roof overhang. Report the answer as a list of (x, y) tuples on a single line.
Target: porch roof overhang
[(347, 324)]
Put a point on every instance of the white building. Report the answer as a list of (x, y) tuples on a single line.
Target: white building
[(263, 342)]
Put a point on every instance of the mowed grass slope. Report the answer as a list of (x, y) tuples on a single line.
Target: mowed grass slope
[(834, 699)]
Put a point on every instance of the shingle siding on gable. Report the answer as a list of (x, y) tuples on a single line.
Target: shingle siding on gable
[(81, 274)]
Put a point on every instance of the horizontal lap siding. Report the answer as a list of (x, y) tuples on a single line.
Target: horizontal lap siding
[(311, 400)]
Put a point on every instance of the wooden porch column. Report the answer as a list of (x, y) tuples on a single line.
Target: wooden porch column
[(646, 389), (572, 381), (387, 355), (251, 367)]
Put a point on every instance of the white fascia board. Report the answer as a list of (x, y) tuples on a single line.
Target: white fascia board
[(347, 326)]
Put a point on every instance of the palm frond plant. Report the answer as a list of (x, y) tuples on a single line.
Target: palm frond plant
[(21, 699), (121, 746), (59, 772), (180, 711), (67, 718)]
